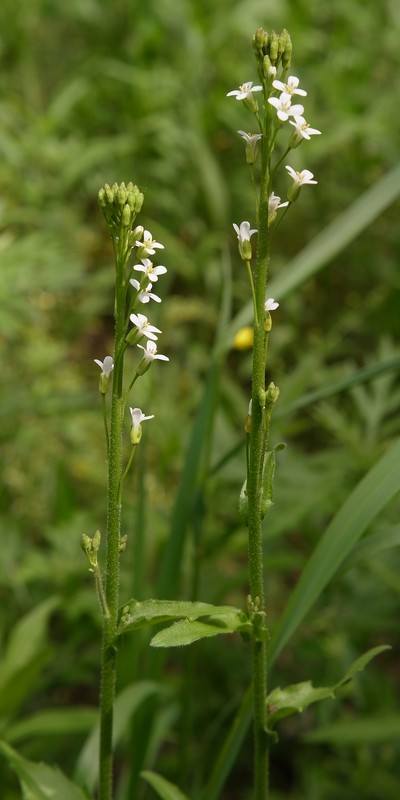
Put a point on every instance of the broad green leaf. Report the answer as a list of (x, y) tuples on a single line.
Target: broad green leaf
[(373, 492), (41, 781), (165, 789), (372, 729), (295, 698), (54, 722), (126, 704), (138, 614), (187, 631)]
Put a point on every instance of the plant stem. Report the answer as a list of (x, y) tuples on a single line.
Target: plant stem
[(258, 436), (109, 649)]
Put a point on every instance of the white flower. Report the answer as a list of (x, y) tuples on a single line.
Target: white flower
[(144, 295), (150, 352), (270, 304), (244, 91), (302, 128), (244, 232), (150, 271), (290, 87), (148, 246), (106, 366), (284, 108), (274, 202), (250, 138), (144, 326), (299, 180), (137, 418)]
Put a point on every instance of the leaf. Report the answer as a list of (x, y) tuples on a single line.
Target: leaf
[(294, 699), (370, 729), (187, 631), (53, 722), (126, 704), (165, 789), (25, 655), (41, 781), (373, 492), (150, 612)]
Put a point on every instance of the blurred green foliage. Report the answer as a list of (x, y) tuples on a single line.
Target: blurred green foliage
[(110, 90)]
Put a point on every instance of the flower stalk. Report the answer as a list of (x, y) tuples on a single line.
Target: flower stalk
[(120, 205), (273, 56)]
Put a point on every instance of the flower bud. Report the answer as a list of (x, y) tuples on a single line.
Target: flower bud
[(273, 47)]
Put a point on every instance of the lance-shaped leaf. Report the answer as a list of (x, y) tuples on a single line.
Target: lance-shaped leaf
[(138, 614), (187, 631), (294, 699), (165, 789), (41, 781)]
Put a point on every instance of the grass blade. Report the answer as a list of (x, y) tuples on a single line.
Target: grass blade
[(373, 492)]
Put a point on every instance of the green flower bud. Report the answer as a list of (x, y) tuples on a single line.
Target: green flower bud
[(273, 48), (126, 219), (287, 54)]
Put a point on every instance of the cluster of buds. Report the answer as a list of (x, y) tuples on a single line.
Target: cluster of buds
[(271, 50), (120, 205)]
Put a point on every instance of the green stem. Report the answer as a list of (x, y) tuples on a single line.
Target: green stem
[(109, 649), (254, 489)]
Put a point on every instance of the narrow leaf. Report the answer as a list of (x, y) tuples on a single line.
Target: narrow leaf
[(165, 789), (373, 492), (40, 781), (326, 245), (365, 730), (127, 703)]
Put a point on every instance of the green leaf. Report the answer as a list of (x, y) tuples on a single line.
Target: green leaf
[(40, 781), (127, 702), (138, 614), (371, 729), (294, 699), (373, 492), (54, 722), (187, 631), (26, 653), (165, 789)]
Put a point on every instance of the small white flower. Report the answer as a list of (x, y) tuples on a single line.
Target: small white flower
[(284, 108), (250, 138), (144, 326), (150, 352), (150, 271), (148, 246), (291, 87), (137, 418), (106, 366), (274, 202), (300, 178), (244, 91), (302, 128), (270, 304), (144, 295), (244, 232)]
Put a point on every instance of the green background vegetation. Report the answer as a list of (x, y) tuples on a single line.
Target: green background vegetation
[(112, 90)]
